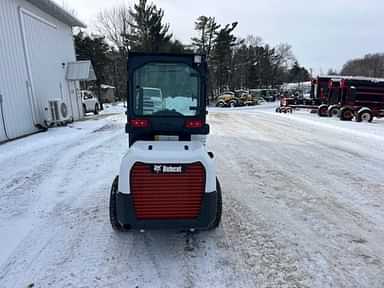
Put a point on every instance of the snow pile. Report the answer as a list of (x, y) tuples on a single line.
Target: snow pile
[(117, 107), (181, 104)]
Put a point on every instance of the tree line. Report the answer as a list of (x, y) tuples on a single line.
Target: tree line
[(371, 65), (234, 63)]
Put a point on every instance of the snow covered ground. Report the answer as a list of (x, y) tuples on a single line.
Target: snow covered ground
[(303, 207)]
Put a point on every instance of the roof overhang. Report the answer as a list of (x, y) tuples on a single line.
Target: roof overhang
[(80, 71), (58, 12)]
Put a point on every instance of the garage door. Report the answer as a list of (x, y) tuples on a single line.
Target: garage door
[(47, 71)]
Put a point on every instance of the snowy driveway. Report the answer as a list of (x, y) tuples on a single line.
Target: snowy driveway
[(303, 207)]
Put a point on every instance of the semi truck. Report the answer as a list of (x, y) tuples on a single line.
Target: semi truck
[(350, 97), (361, 98)]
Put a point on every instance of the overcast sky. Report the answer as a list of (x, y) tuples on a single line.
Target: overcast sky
[(323, 33)]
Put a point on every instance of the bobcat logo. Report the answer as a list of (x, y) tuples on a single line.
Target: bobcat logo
[(167, 169), (157, 168)]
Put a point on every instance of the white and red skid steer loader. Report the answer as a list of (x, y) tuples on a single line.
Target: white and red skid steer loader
[(167, 178)]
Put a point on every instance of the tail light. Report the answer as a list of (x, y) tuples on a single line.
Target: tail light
[(194, 123), (139, 123)]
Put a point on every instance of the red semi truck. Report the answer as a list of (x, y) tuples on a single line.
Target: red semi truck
[(361, 98), (325, 90), (345, 97), (348, 97), (318, 96), (329, 106)]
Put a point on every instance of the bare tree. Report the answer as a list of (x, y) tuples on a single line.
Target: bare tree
[(372, 65), (255, 41), (115, 24), (285, 55)]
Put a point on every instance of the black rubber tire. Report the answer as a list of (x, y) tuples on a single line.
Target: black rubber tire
[(219, 211), (112, 207), (232, 104), (333, 111), (96, 111), (359, 117), (346, 114), (323, 110)]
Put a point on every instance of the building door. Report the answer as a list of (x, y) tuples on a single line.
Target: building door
[(42, 47)]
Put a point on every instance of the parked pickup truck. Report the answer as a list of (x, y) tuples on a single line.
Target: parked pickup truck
[(90, 102)]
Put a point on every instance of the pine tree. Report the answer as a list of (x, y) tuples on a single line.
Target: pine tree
[(96, 50), (222, 55), (207, 29), (298, 73), (201, 41), (150, 34)]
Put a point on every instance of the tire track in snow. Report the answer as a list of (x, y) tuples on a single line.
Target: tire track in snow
[(58, 180), (20, 184), (294, 176), (277, 231)]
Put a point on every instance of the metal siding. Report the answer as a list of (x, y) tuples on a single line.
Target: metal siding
[(52, 8), (41, 41), (13, 75), (62, 50), (58, 48)]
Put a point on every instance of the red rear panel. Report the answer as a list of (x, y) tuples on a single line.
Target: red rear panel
[(167, 195)]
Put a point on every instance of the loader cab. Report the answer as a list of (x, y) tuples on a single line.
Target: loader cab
[(166, 96)]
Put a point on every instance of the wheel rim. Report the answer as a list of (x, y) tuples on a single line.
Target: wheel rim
[(334, 112), (232, 105), (365, 117)]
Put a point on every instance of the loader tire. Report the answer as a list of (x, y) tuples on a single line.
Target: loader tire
[(112, 207), (219, 211)]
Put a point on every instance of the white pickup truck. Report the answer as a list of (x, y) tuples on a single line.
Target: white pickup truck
[(90, 102)]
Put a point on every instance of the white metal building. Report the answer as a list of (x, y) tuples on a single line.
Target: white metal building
[(36, 51)]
